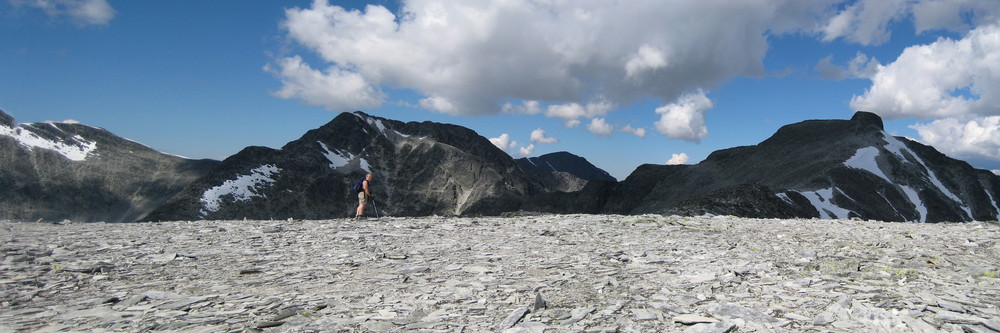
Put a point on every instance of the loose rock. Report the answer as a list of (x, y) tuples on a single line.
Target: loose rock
[(547, 273)]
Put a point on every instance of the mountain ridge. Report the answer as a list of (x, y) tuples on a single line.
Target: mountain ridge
[(843, 168), (563, 161), (811, 169), (64, 170), (420, 168)]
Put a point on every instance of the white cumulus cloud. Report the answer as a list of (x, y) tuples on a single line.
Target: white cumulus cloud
[(953, 84), (685, 120), (525, 151), (866, 21), (335, 89), (648, 58), (947, 78), (600, 127), (538, 136), (678, 159), (476, 57), (639, 132), (580, 60), (571, 112), (977, 137), (504, 142), (526, 107)]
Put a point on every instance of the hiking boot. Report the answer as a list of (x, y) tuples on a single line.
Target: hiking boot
[(359, 217)]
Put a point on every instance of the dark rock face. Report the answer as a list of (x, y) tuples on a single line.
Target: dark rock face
[(565, 162), (57, 171), (818, 168), (588, 200), (745, 200), (564, 172), (419, 169), (813, 169), (6, 119)]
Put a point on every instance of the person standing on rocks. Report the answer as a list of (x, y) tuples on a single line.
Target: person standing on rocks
[(364, 193)]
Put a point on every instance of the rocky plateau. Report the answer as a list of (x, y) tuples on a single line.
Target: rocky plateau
[(515, 273)]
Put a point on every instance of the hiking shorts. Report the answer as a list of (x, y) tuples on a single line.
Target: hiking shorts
[(362, 198)]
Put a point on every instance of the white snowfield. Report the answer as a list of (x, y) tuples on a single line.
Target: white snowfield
[(866, 159), (380, 125), (341, 159), (821, 200), (336, 159), (77, 149), (242, 188)]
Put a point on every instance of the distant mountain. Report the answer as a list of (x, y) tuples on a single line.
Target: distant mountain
[(55, 171), (817, 168), (565, 162), (419, 169)]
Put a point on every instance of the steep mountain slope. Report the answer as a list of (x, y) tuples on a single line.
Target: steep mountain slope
[(818, 168), (564, 172), (419, 169), (565, 162), (56, 171)]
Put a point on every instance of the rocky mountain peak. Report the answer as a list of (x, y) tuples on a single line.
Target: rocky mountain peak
[(820, 168), (419, 168), (563, 161), (66, 170), (6, 119), (869, 119)]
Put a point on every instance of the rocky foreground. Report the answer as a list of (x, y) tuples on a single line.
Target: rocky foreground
[(557, 273)]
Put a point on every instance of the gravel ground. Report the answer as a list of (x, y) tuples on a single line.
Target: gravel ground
[(547, 273)]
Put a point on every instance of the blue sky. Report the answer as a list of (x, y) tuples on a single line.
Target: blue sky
[(619, 83)]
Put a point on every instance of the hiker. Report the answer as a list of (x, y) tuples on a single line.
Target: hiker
[(364, 192)]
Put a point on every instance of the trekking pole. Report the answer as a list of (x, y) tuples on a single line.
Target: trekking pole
[(374, 205)]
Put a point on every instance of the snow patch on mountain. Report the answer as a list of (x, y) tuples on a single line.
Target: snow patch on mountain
[(864, 159), (919, 204), (76, 149), (994, 203), (380, 125), (336, 159), (785, 197), (547, 163), (242, 188), (339, 160), (821, 199), (897, 147)]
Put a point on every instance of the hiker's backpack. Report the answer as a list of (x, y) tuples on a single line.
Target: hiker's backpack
[(360, 186)]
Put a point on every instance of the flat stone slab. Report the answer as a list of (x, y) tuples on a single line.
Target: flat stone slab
[(545, 273)]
